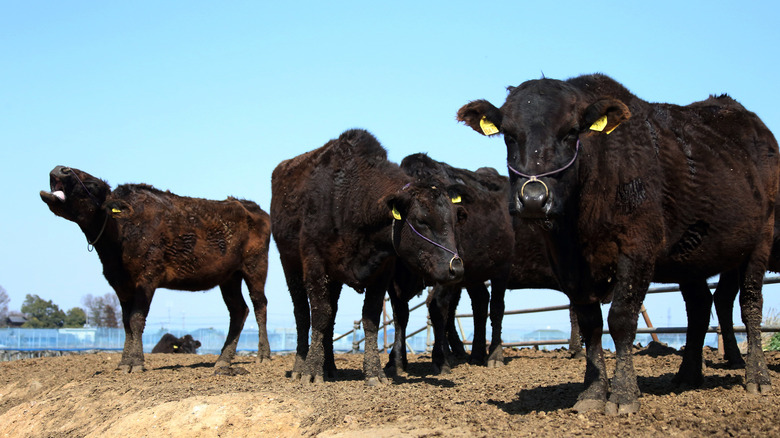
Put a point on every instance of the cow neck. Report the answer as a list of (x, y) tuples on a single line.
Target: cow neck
[(91, 245)]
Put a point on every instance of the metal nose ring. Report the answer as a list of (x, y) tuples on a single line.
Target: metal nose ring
[(535, 179), (455, 257)]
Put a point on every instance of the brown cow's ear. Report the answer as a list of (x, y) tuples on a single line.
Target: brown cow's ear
[(397, 205), (117, 208), (481, 116), (605, 115)]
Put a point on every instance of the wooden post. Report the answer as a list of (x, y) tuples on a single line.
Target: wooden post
[(648, 322)]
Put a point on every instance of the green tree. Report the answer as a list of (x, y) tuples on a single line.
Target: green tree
[(76, 317), (42, 313)]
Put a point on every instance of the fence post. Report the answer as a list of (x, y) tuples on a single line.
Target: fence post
[(648, 323), (355, 342)]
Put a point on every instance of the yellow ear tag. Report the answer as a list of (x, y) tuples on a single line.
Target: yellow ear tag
[(175, 347), (456, 199), (613, 128), (115, 210), (487, 126), (396, 214), (599, 124)]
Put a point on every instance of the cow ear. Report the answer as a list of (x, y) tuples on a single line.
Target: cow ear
[(481, 116), (605, 115), (397, 205), (117, 207)]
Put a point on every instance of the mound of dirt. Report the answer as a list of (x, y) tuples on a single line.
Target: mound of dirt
[(180, 396)]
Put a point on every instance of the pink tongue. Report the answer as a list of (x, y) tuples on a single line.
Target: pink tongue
[(59, 194)]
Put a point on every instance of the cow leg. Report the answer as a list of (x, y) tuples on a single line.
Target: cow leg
[(301, 312), (231, 294), (372, 312), (575, 339), (751, 302), (134, 312), (698, 302), (397, 362), (256, 285), (456, 344), (438, 311), (329, 366), (496, 351), (594, 396), (725, 294), (479, 307), (633, 280), (322, 316)]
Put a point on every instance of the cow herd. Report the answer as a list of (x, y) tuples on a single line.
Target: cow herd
[(606, 193)]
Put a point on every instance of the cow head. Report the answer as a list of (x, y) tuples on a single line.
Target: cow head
[(424, 219), (186, 344), (543, 122), (75, 195)]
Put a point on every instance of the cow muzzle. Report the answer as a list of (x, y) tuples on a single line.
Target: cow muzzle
[(533, 197)]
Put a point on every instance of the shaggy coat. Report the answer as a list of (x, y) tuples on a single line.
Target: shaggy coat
[(344, 214), (148, 239), (674, 194)]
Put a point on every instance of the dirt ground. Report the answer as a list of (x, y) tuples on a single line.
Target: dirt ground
[(180, 396)]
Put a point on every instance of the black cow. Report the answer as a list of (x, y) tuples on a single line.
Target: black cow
[(674, 194), (169, 343), (488, 243), (148, 239), (344, 214)]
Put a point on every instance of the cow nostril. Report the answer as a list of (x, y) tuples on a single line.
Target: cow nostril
[(533, 195), (456, 266)]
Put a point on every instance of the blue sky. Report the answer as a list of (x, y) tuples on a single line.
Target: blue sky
[(205, 99)]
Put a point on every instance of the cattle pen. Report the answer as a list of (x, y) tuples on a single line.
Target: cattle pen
[(648, 329)]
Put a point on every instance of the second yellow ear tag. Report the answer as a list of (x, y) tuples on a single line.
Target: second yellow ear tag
[(396, 214), (599, 124), (115, 210), (456, 199), (487, 126)]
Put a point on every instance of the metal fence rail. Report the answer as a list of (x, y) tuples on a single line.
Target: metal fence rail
[(535, 343)]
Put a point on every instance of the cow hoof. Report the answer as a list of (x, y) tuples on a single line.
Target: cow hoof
[(261, 359), (613, 409), (495, 363), (578, 355), (295, 376), (222, 364), (130, 368), (308, 379), (376, 381), (442, 370), (230, 371), (589, 405), (756, 388)]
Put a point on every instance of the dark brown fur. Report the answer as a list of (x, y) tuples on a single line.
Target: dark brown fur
[(148, 239), (169, 343), (332, 222), (488, 243), (674, 194)]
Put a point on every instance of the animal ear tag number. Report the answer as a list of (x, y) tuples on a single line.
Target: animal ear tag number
[(456, 199), (396, 214), (487, 126), (599, 124)]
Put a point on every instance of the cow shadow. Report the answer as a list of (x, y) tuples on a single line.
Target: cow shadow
[(189, 366), (563, 396)]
